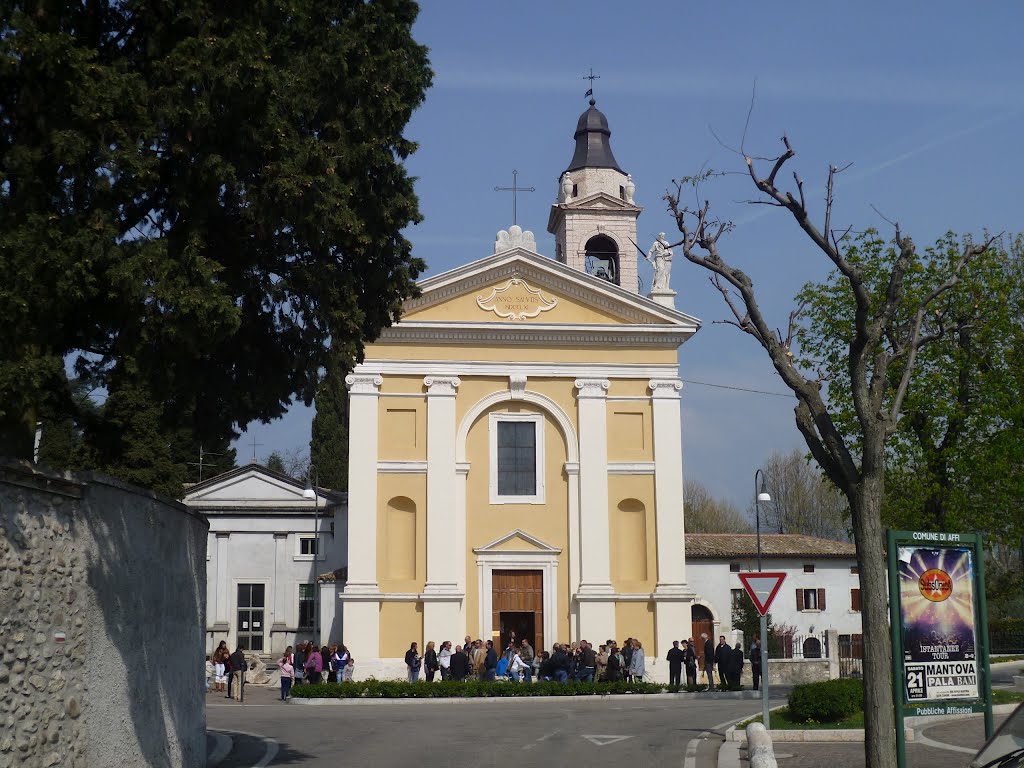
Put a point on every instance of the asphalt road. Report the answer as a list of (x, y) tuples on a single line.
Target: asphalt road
[(620, 732)]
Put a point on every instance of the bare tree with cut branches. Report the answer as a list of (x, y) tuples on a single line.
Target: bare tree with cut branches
[(890, 325)]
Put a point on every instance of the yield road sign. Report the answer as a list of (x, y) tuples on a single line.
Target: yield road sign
[(762, 586)]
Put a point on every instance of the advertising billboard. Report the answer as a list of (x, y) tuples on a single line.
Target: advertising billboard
[(937, 611)]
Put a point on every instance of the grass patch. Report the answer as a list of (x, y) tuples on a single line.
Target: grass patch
[(1002, 696), (449, 689), (1003, 659), (783, 720)]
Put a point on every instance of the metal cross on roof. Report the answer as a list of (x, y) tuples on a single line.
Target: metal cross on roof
[(591, 77), (514, 189)]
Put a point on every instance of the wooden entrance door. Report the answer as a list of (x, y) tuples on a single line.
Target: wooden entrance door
[(516, 594), (702, 621)]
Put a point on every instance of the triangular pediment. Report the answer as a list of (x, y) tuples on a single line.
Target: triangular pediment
[(522, 288), (518, 541), (252, 486), (600, 200)]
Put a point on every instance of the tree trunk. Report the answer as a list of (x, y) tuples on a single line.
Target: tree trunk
[(879, 717), (18, 435)]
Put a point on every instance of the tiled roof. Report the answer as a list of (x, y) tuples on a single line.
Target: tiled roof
[(714, 545), (340, 574)]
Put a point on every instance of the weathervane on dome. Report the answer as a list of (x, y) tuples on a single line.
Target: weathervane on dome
[(590, 92)]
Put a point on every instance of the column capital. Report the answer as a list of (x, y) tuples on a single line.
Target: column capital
[(222, 534), (364, 384), (665, 387), (592, 388), (445, 386), (280, 534)]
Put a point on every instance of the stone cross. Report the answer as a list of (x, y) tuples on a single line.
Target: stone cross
[(514, 189)]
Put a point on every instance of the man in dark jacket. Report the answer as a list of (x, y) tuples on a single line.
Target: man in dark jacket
[(587, 663), (490, 662), (755, 661), (735, 665), (709, 660), (722, 651), (675, 664), (237, 678), (560, 664), (459, 664)]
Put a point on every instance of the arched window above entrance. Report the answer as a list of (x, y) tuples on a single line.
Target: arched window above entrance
[(602, 258)]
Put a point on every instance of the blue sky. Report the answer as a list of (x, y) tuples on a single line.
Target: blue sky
[(925, 99)]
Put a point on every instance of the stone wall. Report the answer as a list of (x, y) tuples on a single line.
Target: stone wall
[(102, 604)]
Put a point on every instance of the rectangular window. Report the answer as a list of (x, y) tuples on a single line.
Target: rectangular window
[(251, 603), (808, 567), (307, 605), (810, 599), (737, 598), (734, 567), (517, 458), (854, 599), (307, 545)]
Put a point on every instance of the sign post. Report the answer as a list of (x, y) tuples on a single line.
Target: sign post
[(939, 624), (762, 587)]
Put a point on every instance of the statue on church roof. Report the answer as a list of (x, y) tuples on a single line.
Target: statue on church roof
[(514, 237), (566, 189), (660, 257), (630, 188)]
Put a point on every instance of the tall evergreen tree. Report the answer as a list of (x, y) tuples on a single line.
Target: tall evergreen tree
[(328, 447), (196, 201)]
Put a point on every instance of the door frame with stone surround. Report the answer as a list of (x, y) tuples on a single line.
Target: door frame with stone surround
[(529, 554)]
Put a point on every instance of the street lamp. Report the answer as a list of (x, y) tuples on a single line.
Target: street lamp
[(310, 493), (761, 494)]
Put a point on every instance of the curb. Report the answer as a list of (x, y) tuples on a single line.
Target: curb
[(221, 750), (735, 695)]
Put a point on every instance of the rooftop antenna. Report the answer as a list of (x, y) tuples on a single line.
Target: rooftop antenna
[(202, 455)]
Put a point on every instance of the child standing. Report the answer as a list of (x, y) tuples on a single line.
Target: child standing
[(287, 673)]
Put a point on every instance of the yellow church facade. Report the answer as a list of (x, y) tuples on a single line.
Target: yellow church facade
[(516, 448)]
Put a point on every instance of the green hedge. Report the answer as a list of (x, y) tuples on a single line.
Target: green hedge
[(400, 689), (826, 702)]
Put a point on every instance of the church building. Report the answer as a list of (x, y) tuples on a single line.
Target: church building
[(515, 443)]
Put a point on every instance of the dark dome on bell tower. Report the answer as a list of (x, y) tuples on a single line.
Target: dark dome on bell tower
[(593, 142)]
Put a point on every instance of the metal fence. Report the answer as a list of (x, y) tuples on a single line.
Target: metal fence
[(1006, 641), (799, 646), (851, 656)]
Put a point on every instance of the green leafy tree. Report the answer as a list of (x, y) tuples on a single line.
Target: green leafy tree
[(197, 202), (746, 618), (275, 462), (803, 501), (328, 447), (893, 302)]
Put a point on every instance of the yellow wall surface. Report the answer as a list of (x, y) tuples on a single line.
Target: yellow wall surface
[(400, 625), (548, 522), (632, 533), (522, 353), (630, 430), (401, 532), (636, 619), (566, 310)]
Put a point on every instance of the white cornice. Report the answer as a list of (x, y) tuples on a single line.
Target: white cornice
[(532, 370), (546, 334)]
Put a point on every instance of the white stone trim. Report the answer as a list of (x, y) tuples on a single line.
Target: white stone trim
[(364, 390), (630, 467), (402, 467), (441, 386), (595, 573), (668, 487), (363, 384), (443, 565), (663, 388), (537, 419), (536, 334), (501, 396), (321, 546), (517, 385), (545, 561), (536, 370)]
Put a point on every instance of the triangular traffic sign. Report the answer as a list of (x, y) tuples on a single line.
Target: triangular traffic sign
[(762, 586)]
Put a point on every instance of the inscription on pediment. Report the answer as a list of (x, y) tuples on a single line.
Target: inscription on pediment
[(516, 300)]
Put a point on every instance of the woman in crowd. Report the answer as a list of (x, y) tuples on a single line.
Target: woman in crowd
[(546, 669), (413, 661), (614, 673), (287, 672), (339, 660), (430, 661), (314, 665), (636, 662), (602, 663), (690, 663), (220, 661), (516, 667), (299, 663)]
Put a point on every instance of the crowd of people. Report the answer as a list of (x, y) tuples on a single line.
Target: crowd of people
[(480, 660)]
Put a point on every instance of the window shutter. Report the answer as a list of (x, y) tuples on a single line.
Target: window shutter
[(855, 599), (821, 599), (799, 599)]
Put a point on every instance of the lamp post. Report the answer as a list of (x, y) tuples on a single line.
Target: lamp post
[(761, 494), (312, 481)]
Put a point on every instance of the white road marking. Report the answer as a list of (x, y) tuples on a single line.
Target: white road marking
[(690, 760), (542, 738), (221, 749), (271, 746), (919, 738), (603, 740)]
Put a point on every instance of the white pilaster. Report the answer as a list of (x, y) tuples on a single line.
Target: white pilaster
[(668, 484), (362, 593), (595, 593), (279, 597), (223, 607), (441, 608)]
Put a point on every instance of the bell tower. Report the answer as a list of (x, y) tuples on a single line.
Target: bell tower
[(594, 220)]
